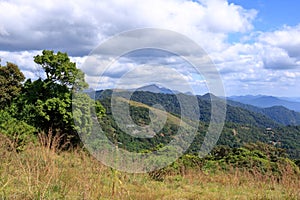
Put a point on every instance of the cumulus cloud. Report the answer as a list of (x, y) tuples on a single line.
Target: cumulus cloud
[(269, 62), (78, 26), (286, 38), (135, 69), (258, 68), (277, 58)]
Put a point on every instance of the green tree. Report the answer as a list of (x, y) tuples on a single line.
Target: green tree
[(47, 104), (59, 68), (10, 83)]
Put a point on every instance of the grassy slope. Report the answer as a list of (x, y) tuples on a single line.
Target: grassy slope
[(172, 119), (40, 173)]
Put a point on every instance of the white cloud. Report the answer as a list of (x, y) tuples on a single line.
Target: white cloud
[(270, 63), (224, 17), (78, 26), (286, 38), (258, 68), (277, 58)]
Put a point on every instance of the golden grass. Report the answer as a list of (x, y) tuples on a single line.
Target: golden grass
[(171, 118), (41, 173)]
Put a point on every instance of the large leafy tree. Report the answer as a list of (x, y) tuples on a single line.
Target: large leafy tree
[(47, 103), (11, 79), (60, 69)]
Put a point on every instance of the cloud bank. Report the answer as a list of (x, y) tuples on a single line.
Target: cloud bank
[(257, 62)]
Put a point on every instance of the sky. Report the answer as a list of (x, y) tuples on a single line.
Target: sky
[(254, 44)]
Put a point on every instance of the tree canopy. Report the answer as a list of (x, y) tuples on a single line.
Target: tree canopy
[(59, 68), (10, 83), (47, 103)]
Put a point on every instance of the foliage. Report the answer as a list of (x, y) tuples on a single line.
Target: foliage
[(46, 106), (10, 83), (258, 156), (253, 157), (18, 133), (59, 68), (47, 103), (85, 113)]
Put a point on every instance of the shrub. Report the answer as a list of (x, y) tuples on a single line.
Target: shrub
[(17, 133)]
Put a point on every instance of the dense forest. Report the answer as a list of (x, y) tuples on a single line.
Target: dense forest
[(242, 126)]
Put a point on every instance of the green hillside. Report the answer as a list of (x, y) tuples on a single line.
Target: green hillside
[(279, 114), (233, 134), (171, 104)]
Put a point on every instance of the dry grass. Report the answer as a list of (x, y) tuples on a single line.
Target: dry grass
[(40, 173)]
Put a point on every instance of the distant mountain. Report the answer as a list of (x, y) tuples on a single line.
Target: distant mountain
[(283, 115), (170, 103), (266, 101), (159, 89), (292, 99), (155, 89), (236, 112), (279, 114)]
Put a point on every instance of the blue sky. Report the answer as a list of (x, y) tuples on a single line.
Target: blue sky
[(254, 44), (272, 14)]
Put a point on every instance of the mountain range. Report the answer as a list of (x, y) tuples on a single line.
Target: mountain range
[(158, 89), (256, 110), (261, 101), (155, 89), (244, 123), (268, 101), (280, 109)]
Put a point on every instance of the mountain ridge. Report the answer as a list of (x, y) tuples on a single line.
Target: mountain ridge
[(171, 104), (277, 114), (234, 133), (266, 101)]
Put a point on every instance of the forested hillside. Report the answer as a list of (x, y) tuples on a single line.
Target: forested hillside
[(171, 104), (242, 126), (279, 114)]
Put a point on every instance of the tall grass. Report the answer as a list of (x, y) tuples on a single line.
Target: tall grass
[(43, 172)]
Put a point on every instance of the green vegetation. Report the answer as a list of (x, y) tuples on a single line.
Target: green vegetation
[(46, 104), (42, 156), (234, 134), (10, 83), (18, 133), (279, 114), (172, 105)]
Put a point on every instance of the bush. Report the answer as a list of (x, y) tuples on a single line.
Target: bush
[(254, 156), (18, 133)]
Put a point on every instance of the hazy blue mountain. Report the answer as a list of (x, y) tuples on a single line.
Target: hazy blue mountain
[(292, 99), (279, 114), (156, 89), (266, 101)]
